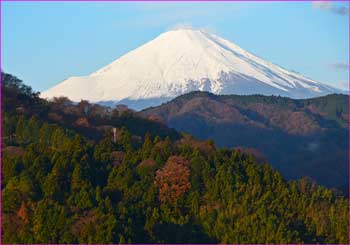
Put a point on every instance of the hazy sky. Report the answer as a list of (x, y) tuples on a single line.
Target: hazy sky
[(45, 43)]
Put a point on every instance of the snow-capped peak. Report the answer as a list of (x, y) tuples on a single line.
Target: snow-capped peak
[(183, 60)]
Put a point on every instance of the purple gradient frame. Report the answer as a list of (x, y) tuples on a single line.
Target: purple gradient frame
[(172, 0), (154, 1)]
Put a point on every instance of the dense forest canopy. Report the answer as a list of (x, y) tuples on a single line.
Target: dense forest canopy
[(68, 177)]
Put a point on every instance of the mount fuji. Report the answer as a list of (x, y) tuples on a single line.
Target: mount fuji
[(180, 61)]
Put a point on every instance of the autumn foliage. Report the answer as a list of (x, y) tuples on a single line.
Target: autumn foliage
[(173, 180), (64, 183)]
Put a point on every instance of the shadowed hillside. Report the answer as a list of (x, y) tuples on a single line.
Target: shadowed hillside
[(299, 137), (68, 178)]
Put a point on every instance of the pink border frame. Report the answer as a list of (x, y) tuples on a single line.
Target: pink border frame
[(150, 1)]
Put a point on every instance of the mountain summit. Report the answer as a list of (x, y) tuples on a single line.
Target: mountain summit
[(184, 60)]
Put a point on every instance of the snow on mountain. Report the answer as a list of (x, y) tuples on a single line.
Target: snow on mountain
[(180, 61)]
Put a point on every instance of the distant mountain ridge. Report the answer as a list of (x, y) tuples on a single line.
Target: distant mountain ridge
[(306, 137), (180, 61)]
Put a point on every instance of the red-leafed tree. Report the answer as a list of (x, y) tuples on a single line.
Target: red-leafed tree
[(23, 212), (173, 180)]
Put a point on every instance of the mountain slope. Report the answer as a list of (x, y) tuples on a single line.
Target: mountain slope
[(299, 137), (60, 187), (180, 61), (90, 120)]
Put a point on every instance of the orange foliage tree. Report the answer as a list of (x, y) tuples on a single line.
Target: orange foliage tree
[(173, 180)]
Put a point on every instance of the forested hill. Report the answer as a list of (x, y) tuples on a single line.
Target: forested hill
[(307, 137), (67, 179), (90, 120)]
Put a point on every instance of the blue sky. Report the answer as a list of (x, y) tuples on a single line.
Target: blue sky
[(45, 43)]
